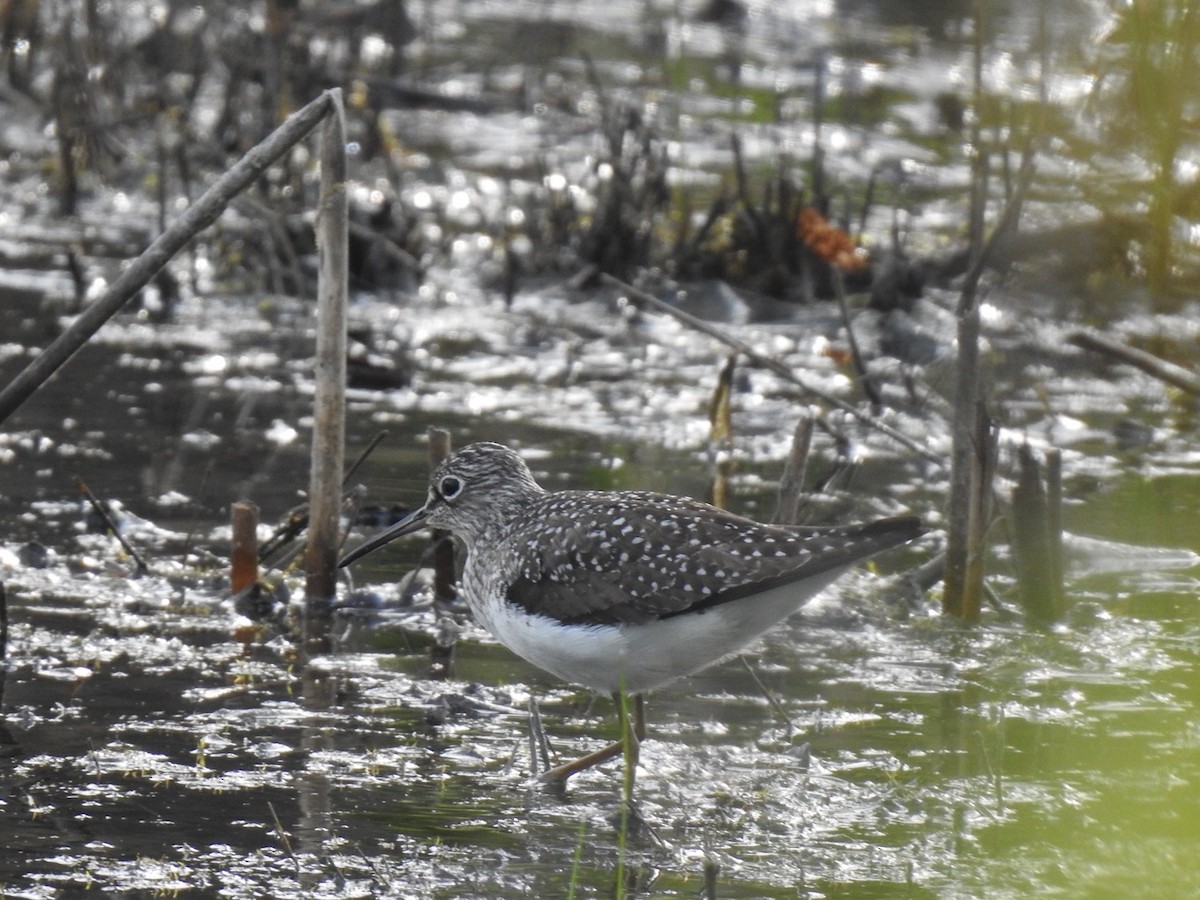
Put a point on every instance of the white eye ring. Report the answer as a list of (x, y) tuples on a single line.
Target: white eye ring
[(449, 487)]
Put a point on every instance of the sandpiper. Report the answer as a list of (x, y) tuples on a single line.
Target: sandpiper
[(623, 590)]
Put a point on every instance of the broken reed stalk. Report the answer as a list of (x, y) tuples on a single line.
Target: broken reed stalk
[(102, 512), (772, 365), (720, 436), (960, 592), (1054, 519), (791, 483), (1037, 547), (720, 407), (243, 557), (195, 219), (329, 401)]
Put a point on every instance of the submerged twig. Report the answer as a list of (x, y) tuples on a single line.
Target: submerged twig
[(771, 699), (284, 840), (102, 512), (929, 573)]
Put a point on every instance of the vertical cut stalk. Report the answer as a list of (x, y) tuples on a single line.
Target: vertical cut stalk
[(791, 484), (329, 402), (1036, 547), (243, 569)]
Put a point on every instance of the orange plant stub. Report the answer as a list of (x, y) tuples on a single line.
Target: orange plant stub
[(828, 241)]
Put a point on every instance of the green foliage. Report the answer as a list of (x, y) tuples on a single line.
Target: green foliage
[(1150, 74)]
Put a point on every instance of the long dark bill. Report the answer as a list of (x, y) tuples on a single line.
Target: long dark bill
[(407, 525)]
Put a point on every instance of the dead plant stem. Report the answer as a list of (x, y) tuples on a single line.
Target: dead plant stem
[(329, 401), (773, 365)]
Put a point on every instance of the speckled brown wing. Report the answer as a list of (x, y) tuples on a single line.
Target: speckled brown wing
[(633, 557)]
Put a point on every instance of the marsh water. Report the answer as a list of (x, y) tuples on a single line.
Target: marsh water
[(159, 738)]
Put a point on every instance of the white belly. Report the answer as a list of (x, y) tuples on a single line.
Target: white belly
[(639, 658)]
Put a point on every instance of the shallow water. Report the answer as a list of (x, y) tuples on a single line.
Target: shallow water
[(155, 740), (148, 748)]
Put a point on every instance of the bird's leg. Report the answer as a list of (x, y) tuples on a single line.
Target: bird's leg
[(539, 746), (630, 738), (560, 774)]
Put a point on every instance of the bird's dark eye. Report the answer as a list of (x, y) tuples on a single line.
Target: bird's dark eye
[(449, 487)]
